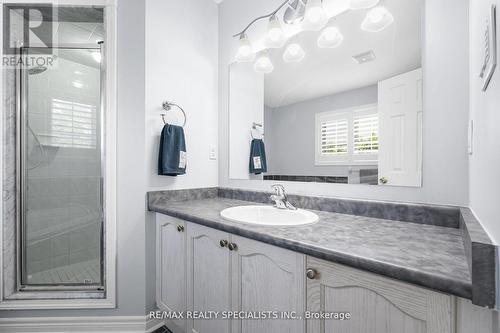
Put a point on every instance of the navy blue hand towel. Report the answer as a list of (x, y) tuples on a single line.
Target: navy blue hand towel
[(172, 155), (258, 163)]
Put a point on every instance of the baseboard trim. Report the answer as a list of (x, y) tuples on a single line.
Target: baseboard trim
[(130, 324), (153, 324)]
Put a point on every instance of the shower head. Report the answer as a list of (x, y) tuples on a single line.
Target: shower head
[(36, 70)]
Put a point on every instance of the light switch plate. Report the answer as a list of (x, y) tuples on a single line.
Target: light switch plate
[(212, 152)]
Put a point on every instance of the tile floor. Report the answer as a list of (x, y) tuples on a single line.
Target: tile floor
[(75, 273)]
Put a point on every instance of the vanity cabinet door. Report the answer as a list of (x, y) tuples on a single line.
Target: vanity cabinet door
[(267, 278), (376, 304), (171, 265), (209, 283)]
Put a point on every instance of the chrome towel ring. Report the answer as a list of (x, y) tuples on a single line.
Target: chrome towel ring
[(257, 127), (167, 106)]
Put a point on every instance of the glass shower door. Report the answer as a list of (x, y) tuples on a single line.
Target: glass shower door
[(61, 171)]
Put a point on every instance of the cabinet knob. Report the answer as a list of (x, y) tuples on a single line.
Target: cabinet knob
[(232, 247), (311, 273), (180, 228), (223, 243), (384, 180)]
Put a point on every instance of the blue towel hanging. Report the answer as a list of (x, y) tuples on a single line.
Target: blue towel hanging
[(258, 163), (172, 153)]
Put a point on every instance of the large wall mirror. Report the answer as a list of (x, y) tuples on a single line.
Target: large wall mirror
[(337, 103)]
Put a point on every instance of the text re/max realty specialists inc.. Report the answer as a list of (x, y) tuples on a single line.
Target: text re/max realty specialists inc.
[(258, 315)]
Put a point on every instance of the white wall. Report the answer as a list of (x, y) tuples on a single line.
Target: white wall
[(484, 176), (182, 66), (485, 112), (247, 106), (131, 158), (445, 169)]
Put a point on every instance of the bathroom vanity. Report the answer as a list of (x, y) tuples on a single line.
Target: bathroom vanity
[(388, 274)]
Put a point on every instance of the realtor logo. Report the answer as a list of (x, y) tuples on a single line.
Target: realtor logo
[(28, 36), (27, 26)]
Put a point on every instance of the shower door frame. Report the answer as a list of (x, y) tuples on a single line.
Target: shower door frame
[(21, 123), (10, 297)]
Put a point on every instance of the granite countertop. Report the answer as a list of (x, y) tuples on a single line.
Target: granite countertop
[(426, 255)]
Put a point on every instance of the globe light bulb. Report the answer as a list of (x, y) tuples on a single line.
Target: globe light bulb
[(314, 14), (275, 34), (245, 50), (293, 53), (330, 37), (263, 64), (377, 19), (377, 14), (315, 17)]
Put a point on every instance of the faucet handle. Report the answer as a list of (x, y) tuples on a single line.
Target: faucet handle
[(280, 198), (278, 189)]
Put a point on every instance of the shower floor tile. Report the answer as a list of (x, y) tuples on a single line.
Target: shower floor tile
[(80, 272)]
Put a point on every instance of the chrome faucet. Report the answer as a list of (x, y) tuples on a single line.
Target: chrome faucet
[(280, 199)]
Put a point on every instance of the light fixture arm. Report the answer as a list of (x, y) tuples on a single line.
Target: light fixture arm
[(261, 17)]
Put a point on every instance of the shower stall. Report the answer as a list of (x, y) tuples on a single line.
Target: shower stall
[(60, 169)]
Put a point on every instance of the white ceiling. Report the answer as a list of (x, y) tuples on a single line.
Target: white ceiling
[(327, 71)]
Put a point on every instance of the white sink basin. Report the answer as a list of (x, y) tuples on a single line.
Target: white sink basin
[(269, 215)]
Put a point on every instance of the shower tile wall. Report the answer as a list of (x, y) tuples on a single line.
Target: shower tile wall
[(9, 182), (64, 214)]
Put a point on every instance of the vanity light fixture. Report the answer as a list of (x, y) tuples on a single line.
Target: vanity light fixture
[(315, 18), (293, 53), (245, 51), (377, 19), (362, 4), (275, 34), (263, 64), (330, 37), (312, 16)]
